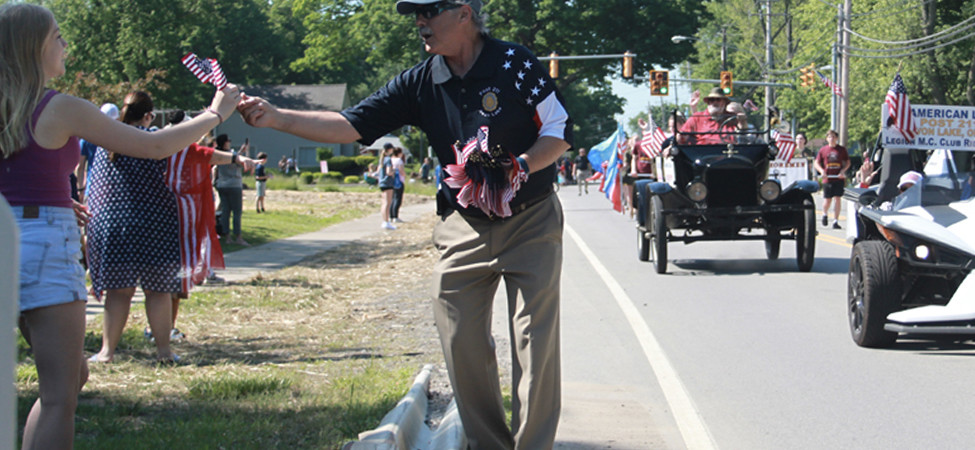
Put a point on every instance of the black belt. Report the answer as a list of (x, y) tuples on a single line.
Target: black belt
[(30, 212)]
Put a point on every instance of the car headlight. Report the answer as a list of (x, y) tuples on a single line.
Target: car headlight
[(769, 190), (697, 191), (922, 252)]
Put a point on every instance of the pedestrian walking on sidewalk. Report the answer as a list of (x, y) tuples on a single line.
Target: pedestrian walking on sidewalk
[(39, 132), (515, 106), (387, 183)]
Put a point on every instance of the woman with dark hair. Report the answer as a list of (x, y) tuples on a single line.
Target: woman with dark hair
[(133, 237), (39, 132)]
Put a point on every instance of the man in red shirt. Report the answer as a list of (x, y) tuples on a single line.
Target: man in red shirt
[(711, 120), (832, 162)]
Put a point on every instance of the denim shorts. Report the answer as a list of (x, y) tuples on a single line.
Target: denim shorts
[(50, 254)]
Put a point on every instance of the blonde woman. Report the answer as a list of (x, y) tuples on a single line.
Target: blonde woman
[(39, 131)]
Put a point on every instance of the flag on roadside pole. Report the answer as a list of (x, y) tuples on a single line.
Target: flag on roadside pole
[(611, 181), (786, 145), (830, 84), (207, 70), (899, 109), (603, 151)]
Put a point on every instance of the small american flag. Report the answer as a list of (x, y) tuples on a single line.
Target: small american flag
[(899, 109), (652, 141), (830, 84), (786, 144), (207, 70)]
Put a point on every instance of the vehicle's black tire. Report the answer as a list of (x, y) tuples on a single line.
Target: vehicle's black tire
[(642, 245), (873, 292), (806, 237), (659, 234), (772, 248)]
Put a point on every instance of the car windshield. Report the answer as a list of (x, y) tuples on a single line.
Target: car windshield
[(937, 189)]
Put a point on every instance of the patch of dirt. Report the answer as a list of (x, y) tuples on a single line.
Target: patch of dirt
[(378, 287)]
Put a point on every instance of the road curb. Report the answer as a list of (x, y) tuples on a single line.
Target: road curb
[(404, 427)]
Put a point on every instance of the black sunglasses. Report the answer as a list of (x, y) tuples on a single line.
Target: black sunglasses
[(434, 10)]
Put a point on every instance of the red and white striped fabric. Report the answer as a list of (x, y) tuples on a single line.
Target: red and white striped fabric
[(786, 144), (652, 141), (188, 176), (207, 70), (830, 84)]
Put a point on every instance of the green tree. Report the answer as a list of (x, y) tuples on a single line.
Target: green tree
[(123, 41), (368, 42)]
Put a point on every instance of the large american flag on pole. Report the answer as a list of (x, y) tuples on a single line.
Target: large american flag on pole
[(786, 145), (652, 141), (899, 109), (207, 70), (830, 84)]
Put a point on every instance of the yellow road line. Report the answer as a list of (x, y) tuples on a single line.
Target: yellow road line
[(834, 240)]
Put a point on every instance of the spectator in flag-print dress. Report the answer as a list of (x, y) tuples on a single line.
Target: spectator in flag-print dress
[(132, 237)]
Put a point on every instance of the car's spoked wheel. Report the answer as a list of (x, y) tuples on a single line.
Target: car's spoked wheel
[(642, 245), (659, 235), (806, 237), (772, 248), (873, 292)]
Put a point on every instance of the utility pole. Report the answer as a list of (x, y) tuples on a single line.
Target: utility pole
[(769, 99), (845, 75), (834, 100)]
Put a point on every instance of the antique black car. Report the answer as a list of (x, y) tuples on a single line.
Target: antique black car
[(723, 192)]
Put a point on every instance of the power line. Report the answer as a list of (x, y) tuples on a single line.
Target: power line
[(901, 55), (955, 29)]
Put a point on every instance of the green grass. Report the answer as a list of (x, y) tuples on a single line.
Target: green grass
[(294, 359)]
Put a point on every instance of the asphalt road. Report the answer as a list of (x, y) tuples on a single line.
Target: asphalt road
[(730, 350)]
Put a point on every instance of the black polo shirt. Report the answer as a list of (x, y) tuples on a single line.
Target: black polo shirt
[(501, 91)]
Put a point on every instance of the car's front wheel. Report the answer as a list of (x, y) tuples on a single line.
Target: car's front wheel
[(642, 245), (806, 237), (772, 246), (659, 234), (873, 292)]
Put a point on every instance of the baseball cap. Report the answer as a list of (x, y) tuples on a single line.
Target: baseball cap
[(110, 110), (911, 178), (409, 6)]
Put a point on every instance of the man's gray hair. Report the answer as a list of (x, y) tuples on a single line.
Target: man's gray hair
[(479, 17)]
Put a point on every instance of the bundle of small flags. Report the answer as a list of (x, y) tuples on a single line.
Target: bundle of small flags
[(487, 178), (207, 70)]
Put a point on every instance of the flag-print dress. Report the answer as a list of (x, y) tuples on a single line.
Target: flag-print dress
[(133, 235)]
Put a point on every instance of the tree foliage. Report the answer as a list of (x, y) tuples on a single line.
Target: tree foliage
[(125, 44), (804, 32)]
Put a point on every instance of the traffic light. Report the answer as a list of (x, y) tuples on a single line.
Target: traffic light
[(808, 77), (659, 82), (553, 66), (628, 65), (727, 83)]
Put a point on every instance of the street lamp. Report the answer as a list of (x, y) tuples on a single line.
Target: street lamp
[(724, 45)]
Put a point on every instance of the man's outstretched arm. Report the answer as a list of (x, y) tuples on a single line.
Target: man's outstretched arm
[(320, 126)]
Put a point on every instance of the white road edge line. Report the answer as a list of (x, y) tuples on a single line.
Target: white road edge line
[(689, 421)]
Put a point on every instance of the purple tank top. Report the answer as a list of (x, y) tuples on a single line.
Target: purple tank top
[(35, 175)]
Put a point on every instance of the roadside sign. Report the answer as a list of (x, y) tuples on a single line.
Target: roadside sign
[(939, 127)]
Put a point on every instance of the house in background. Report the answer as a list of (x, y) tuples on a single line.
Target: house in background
[(376, 148), (327, 97)]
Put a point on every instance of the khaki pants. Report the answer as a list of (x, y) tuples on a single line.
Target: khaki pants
[(527, 251)]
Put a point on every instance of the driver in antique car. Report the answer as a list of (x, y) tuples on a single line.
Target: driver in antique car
[(715, 119)]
